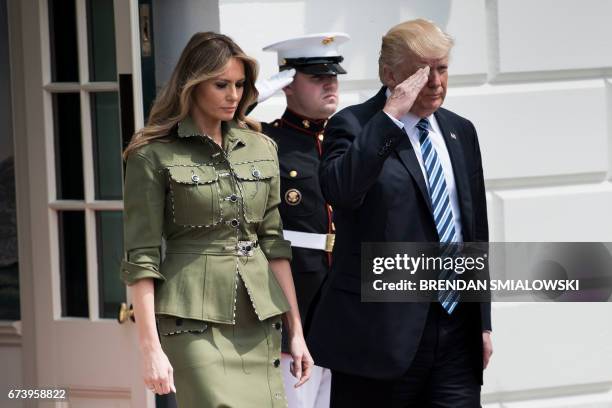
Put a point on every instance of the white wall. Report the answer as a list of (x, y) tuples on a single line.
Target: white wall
[(535, 78)]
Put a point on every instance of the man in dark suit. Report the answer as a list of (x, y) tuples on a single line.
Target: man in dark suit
[(398, 167)]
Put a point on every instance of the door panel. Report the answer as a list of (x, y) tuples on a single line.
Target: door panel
[(77, 124)]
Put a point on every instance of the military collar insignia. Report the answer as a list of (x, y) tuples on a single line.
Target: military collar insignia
[(310, 126)]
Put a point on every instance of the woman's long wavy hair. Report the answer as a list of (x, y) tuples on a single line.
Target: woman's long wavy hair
[(204, 57)]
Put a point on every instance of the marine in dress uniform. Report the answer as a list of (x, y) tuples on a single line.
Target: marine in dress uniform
[(303, 208), (307, 218)]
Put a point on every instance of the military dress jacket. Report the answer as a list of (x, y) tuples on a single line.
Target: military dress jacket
[(303, 207), (216, 211)]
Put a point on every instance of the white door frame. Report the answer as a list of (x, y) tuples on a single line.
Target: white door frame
[(63, 351)]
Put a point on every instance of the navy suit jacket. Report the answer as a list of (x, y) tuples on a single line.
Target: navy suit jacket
[(369, 173)]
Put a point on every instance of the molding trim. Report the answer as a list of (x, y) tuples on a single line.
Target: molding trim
[(97, 393), (10, 333)]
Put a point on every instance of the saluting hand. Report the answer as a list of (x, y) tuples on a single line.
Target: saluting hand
[(301, 366), (405, 93)]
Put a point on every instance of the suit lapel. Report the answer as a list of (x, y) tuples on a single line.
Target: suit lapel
[(404, 150), (409, 160), (452, 138)]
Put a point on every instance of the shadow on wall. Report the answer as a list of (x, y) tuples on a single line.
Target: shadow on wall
[(367, 24)]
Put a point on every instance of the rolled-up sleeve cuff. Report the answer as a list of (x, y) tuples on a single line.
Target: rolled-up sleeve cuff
[(131, 272), (276, 248)]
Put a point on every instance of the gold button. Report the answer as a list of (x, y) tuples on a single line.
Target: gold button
[(293, 173), (321, 137), (275, 124), (306, 123)]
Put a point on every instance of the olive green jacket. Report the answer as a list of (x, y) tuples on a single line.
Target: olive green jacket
[(206, 204)]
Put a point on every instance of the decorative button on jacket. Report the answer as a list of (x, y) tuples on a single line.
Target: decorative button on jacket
[(217, 210)]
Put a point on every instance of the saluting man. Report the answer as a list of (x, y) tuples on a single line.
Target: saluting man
[(312, 97)]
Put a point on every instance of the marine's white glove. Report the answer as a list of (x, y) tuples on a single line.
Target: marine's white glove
[(268, 87)]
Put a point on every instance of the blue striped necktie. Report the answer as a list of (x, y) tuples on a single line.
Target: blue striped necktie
[(442, 211)]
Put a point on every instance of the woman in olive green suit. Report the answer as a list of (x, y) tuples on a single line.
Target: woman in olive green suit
[(199, 179)]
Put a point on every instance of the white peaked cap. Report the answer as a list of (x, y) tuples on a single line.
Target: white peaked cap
[(309, 46)]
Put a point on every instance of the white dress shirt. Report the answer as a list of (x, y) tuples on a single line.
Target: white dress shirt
[(408, 123)]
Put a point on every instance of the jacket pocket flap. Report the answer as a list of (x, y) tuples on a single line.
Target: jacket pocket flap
[(259, 170), (193, 174), (169, 325)]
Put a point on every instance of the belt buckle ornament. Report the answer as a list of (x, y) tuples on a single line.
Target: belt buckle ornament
[(330, 239), (245, 248)]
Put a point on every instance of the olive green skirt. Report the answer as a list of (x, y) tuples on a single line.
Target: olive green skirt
[(225, 366)]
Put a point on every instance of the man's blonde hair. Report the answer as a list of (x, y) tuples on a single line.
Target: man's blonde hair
[(412, 39)]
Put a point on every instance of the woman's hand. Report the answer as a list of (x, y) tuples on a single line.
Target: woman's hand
[(301, 367), (157, 372), (156, 369), (302, 364)]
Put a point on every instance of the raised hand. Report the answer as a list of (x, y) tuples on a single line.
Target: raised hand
[(405, 93), (268, 87)]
